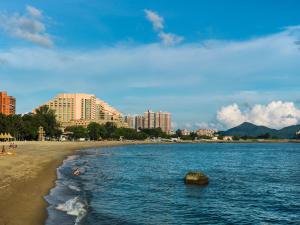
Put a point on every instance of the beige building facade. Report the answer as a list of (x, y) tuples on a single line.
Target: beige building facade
[(206, 132), (158, 120), (81, 109)]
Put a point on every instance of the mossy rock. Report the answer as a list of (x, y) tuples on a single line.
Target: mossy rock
[(197, 178)]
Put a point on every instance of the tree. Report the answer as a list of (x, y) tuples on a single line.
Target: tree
[(78, 131), (128, 133), (264, 136), (193, 135), (110, 128), (154, 132), (46, 118), (178, 133), (96, 131), (220, 137), (236, 138)]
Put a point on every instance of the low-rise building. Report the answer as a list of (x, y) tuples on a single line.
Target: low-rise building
[(185, 132), (206, 132)]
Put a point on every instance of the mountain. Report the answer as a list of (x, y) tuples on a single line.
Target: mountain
[(252, 130), (288, 132)]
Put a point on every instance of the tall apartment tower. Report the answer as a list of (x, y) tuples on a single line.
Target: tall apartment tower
[(139, 122), (163, 120), (129, 121), (158, 120), (7, 104), (149, 119)]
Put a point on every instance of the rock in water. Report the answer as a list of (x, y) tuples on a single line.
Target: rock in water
[(196, 178)]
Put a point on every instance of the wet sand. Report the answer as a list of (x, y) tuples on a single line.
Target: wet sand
[(28, 175)]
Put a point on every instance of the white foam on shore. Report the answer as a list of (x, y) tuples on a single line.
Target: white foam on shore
[(73, 207), (74, 188)]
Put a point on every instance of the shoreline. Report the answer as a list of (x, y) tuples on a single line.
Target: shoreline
[(27, 177)]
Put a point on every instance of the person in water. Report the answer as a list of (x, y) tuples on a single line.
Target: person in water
[(76, 172)]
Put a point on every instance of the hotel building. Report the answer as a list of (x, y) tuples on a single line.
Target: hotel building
[(7, 104), (81, 109)]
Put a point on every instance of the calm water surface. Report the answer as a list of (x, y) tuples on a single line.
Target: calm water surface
[(143, 184)]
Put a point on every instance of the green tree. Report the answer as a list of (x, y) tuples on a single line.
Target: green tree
[(110, 128), (193, 135), (46, 118), (96, 131), (178, 133), (78, 131), (154, 132)]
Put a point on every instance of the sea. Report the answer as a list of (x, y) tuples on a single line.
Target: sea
[(249, 183)]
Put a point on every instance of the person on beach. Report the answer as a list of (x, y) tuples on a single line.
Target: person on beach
[(13, 145), (3, 149)]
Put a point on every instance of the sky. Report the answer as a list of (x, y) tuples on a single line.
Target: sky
[(212, 64)]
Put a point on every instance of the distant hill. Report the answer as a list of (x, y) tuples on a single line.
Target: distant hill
[(252, 130), (288, 132)]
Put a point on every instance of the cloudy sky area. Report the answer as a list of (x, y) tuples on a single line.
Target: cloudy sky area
[(211, 63)]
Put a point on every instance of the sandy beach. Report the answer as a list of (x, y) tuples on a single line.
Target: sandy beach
[(28, 175)]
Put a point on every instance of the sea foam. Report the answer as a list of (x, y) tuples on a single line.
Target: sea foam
[(73, 207)]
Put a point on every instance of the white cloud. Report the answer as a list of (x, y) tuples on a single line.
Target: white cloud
[(208, 125), (167, 39), (231, 115), (201, 79), (156, 20), (276, 114), (33, 11), (27, 27), (170, 39)]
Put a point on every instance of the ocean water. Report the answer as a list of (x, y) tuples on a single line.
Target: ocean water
[(143, 184)]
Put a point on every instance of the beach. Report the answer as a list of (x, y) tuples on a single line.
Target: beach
[(27, 176)]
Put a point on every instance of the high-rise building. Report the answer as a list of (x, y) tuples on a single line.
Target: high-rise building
[(7, 104), (163, 120), (149, 121), (139, 122), (158, 120), (129, 121), (80, 109)]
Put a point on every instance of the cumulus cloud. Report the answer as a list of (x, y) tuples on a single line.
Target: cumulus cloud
[(156, 20), (33, 11), (167, 39), (276, 114), (28, 26), (201, 79), (170, 39)]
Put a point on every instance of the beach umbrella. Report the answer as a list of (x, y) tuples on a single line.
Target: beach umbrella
[(2, 136)]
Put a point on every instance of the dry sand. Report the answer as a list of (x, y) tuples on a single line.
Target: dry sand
[(29, 175)]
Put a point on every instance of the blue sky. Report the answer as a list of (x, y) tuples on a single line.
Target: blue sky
[(210, 63)]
